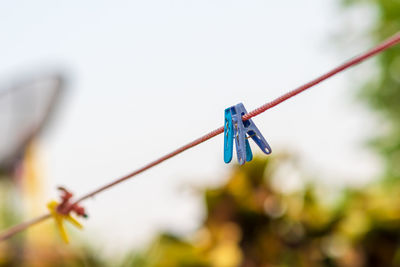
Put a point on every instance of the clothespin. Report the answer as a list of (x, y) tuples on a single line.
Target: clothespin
[(234, 129), (241, 131), (61, 211)]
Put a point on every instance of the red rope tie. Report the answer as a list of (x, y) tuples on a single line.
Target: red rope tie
[(61, 212), (66, 206)]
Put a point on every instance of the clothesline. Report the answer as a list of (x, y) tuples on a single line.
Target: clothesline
[(395, 39)]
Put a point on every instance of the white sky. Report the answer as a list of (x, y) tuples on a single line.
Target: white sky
[(148, 76)]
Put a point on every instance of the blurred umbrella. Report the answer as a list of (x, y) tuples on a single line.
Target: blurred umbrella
[(25, 109)]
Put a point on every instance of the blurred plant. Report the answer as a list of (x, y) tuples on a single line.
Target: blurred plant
[(12, 254), (251, 223), (382, 91)]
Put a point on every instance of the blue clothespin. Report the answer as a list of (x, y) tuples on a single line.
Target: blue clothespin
[(234, 129), (241, 131)]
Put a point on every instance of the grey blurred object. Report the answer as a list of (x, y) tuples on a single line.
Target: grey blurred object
[(26, 106)]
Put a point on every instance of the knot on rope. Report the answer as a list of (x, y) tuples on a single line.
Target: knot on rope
[(61, 211), (66, 206)]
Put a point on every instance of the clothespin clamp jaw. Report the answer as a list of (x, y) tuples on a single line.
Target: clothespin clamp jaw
[(228, 136), (61, 211), (253, 132), (240, 131)]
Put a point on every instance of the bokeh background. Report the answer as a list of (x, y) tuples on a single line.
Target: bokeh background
[(92, 90)]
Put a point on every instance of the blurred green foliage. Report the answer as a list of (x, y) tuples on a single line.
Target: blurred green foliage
[(382, 91), (251, 223), (14, 254)]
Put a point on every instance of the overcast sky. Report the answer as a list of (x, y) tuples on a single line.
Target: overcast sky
[(148, 76)]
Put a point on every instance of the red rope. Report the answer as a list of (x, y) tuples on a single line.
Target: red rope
[(395, 39), (381, 47)]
